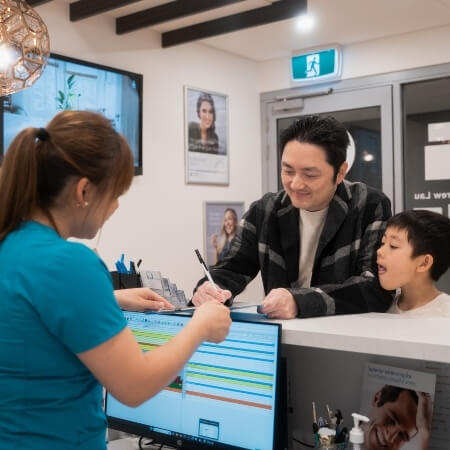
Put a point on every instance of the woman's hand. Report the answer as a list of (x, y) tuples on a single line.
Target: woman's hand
[(141, 299), (213, 318)]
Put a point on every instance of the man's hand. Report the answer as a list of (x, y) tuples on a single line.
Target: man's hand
[(141, 299), (423, 418), (207, 292), (280, 304)]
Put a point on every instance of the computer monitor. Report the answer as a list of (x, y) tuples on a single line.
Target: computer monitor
[(225, 397)]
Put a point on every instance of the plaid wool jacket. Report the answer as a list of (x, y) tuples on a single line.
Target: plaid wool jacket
[(344, 279)]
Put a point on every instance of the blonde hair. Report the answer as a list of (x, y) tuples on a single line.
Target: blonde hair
[(223, 236)]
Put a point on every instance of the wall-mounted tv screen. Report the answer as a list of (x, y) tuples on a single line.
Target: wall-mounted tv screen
[(68, 83), (225, 397)]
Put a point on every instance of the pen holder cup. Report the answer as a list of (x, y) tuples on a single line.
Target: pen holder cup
[(125, 280), (341, 446)]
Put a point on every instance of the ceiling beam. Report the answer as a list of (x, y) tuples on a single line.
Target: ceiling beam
[(166, 12), (280, 10), (34, 3), (83, 9)]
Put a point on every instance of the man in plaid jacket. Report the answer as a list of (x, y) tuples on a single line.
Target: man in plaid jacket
[(315, 241)]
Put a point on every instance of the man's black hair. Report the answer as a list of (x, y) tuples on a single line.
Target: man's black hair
[(428, 233), (325, 132)]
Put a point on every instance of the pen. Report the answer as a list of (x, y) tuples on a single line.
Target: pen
[(315, 427), (205, 269), (330, 416)]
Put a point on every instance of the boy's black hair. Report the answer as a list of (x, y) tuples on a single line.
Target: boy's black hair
[(428, 233), (325, 132)]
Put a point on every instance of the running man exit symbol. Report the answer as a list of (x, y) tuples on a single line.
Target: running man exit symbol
[(313, 65)]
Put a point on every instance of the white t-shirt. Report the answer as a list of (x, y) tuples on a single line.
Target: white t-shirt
[(311, 226), (438, 307)]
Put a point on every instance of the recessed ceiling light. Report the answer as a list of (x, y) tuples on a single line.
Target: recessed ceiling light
[(367, 156), (305, 22)]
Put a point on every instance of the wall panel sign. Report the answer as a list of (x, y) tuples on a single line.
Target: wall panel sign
[(316, 66), (435, 192)]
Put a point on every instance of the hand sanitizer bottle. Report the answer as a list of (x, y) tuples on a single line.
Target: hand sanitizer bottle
[(356, 434)]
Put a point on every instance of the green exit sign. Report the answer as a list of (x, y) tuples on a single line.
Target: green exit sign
[(320, 65)]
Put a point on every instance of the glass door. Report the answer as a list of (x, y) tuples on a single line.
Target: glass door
[(367, 115), (426, 149)]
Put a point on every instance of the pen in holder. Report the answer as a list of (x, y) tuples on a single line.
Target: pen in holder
[(125, 280)]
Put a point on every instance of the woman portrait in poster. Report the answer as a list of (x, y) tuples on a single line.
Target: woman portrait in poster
[(202, 135), (221, 241)]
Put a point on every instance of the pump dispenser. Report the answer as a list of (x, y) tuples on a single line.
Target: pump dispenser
[(356, 434)]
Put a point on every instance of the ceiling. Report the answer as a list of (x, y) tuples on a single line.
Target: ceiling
[(337, 21)]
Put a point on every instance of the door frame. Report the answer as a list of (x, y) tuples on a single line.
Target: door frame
[(333, 102)]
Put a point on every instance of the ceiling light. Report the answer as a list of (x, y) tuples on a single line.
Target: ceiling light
[(305, 23), (24, 46)]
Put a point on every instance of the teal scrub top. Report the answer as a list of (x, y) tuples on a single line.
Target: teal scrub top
[(56, 300)]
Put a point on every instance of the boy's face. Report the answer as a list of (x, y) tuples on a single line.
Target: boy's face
[(396, 266)]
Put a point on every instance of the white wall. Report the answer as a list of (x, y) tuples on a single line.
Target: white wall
[(161, 218), (394, 53)]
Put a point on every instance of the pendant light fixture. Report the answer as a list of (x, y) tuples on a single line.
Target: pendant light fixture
[(24, 46)]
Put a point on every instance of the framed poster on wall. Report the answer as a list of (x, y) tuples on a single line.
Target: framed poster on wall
[(220, 226), (206, 136)]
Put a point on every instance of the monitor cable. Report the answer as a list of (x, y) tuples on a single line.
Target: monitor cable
[(144, 445)]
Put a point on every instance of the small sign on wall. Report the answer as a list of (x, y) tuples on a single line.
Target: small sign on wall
[(439, 132), (316, 66), (437, 162)]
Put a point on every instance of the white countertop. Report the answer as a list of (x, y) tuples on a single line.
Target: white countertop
[(373, 333)]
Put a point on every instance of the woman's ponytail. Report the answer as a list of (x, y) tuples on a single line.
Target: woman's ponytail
[(18, 180)]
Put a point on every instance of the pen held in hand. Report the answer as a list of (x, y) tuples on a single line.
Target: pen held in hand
[(205, 270)]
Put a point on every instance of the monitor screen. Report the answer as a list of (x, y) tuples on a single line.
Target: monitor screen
[(68, 83), (225, 396)]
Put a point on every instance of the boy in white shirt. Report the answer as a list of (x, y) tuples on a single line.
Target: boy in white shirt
[(414, 253)]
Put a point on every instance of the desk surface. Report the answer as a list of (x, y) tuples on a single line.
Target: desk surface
[(373, 333)]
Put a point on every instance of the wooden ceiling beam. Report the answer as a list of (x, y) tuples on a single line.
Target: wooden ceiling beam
[(83, 9), (281, 10), (34, 3), (166, 12)]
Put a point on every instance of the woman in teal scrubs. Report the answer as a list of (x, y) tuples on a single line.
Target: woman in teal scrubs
[(62, 333)]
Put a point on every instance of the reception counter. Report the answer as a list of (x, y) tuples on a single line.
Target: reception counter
[(373, 334), (326, 359)]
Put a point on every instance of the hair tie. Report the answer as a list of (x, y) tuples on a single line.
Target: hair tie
[(42, 134)]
